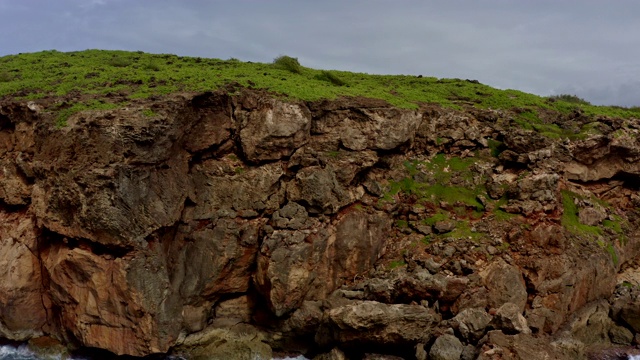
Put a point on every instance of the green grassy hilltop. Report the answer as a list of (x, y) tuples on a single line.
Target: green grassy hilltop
[(140, 75)]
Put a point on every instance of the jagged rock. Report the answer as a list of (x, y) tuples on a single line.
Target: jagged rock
[(446, 347), (505, 284), (104, 301), (128, 232), (509, 319), (23, 314), (292, 216), (471, 323), (296, 264)]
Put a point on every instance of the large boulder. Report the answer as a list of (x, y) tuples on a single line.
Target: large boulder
[(384, 324)]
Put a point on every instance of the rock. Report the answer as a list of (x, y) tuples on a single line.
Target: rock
[(220, 190), (221, 344), (85, 195), (102, 302), (505, 284), (446, 347), (139, 234), (273, 129), (620, 335), (629, 312), (379, 323), (469, 353), (295, 265), (509, 319), (471, 323), (215, 125), (591, 216), (520, 346), (442, 227), (292, 216), (23, 314), (234, 310), (421, 353), (591, 324), (570, 348), (319, 189)]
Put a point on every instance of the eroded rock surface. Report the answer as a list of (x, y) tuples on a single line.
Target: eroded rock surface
[(347, 228)]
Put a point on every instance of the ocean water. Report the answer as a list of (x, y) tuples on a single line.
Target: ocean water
[(9, 352), (22, 352)]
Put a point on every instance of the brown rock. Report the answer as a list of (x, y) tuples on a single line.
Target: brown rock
[(505, 284), (22, 299)]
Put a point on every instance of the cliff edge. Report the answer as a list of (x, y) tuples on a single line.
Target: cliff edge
[(241, 222)]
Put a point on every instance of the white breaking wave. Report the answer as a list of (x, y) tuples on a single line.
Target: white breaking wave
[(22, 352)]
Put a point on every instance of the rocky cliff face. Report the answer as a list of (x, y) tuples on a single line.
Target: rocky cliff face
[(236, 224)]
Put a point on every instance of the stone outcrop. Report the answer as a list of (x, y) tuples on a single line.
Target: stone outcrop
[(344, 229)]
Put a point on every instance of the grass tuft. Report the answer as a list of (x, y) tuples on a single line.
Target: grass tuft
[(288, 63), (331, 77)]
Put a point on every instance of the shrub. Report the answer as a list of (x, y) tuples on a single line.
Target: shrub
[(330, 77), (152, 66), (288, 63), (569, 98), (5, 77), (119, 62)]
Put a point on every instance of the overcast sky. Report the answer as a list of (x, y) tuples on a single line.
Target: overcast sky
[(590, 48)]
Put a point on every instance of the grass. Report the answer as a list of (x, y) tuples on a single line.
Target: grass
[(66, 113), (429, 181), (440, 216), (396, 264), (463, 231), (141, 75), (570, 219)]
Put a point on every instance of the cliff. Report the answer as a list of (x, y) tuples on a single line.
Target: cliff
[(238, 221)]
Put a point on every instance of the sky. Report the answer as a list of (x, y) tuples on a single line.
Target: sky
[(588, 48)]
